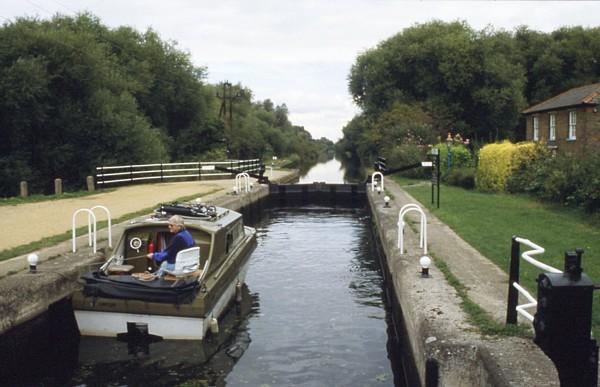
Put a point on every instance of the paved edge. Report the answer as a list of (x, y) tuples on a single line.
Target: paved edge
[(438, 330)]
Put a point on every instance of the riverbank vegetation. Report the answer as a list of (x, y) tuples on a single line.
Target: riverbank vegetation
[(439, 77), (77, 95), (440, 84), (487, 221)]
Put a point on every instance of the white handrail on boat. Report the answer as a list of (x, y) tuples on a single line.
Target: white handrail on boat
[(373, 179), (527, 257), (423, 232), (91, 216)]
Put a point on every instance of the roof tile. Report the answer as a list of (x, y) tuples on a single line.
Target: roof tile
[(588, 94)]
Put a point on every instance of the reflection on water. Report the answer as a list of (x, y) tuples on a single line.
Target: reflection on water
[(330, 171), (321, 320), (107, 361)]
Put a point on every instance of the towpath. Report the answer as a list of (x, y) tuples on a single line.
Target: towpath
[(30, 222)]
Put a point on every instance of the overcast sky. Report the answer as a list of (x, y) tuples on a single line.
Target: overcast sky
[(300, 52)]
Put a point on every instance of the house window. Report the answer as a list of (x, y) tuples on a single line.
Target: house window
[(536, 129), (552, 128), (572, 125)]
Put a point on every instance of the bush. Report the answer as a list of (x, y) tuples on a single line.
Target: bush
[(497, 162), (530, 171), (494, 166), (566, 179), (461, 177), (461, 157), (407, 154)]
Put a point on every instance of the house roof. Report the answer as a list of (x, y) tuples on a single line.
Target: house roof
[(583, 95)]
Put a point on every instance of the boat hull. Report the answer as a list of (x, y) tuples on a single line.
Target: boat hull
[(109, 324)]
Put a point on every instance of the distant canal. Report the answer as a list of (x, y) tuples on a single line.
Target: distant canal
[(312, 315), (331, 171)]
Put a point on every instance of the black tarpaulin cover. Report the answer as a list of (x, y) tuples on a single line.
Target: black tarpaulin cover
[(127, 287)]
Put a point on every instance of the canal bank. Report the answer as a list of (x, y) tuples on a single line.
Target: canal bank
[(26, 295), (447, 348)]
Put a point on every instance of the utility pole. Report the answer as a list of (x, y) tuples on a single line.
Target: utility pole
[(227, 97)]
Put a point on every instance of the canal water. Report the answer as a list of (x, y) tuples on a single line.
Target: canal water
[(312, 314)]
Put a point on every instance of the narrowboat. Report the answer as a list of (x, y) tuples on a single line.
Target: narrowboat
[(124, 297)]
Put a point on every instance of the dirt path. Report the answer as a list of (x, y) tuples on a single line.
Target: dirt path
[(30, 222)]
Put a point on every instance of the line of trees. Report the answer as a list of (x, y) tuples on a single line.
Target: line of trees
[(77, 94), (439, 77)]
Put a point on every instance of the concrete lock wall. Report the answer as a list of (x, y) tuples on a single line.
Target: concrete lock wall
[(447, 348)]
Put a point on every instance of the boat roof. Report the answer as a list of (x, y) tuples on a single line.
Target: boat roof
[(208, 218)]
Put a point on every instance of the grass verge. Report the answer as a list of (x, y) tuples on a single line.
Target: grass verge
[(487, 221), (44, 198), (476, 315)]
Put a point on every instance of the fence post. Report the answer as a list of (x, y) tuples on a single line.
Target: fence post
[(513, 276), (24, 191), (58, 186), (90, 183)]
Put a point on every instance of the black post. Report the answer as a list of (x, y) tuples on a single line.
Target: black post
[(438, 178), (131, 173), (432, 177), (161, 172), (513, 276)]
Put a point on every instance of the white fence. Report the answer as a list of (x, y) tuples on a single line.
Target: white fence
[(199, 170)]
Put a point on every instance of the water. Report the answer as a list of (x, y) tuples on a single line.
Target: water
[(321, 318), (312, 314), (331, 171)]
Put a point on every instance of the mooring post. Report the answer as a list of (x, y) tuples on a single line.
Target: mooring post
[(513, 276), (58, 186), (90, 183), (24, 191)]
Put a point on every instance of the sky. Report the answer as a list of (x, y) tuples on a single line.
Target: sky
[(300, 52)]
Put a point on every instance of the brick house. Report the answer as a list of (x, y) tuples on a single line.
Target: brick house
[(569, 121)]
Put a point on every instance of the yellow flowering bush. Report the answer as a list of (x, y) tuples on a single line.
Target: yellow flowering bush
[(498, 161)]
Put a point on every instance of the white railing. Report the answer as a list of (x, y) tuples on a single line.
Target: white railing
[(92, 228), (107, 175), (91, 235), (374, 182), (246, 184), (527, 256), (109, 222), (423, 231)]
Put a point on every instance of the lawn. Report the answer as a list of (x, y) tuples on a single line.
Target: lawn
[(488, 221)]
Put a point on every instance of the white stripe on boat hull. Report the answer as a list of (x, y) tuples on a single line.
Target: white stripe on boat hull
[(168, 327)]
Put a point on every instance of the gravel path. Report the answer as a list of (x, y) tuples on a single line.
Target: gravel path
[(25, 223)]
